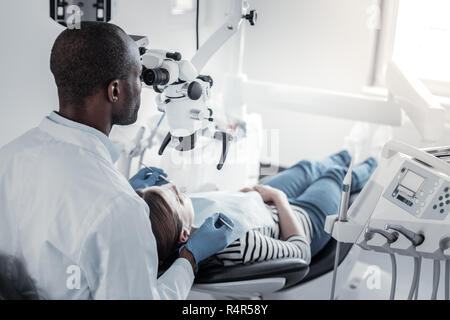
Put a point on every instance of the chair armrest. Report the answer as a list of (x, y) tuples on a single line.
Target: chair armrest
[(293, 270)]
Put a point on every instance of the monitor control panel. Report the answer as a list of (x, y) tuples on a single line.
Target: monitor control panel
[(419, 192)]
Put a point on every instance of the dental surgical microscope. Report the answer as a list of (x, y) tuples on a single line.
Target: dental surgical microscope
[(184, 93)]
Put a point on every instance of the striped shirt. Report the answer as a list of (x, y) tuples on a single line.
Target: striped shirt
[(265, 243)]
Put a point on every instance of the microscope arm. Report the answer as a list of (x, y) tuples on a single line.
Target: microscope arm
[(226, 31)]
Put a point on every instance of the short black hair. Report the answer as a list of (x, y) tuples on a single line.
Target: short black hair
[(15, 282), (82, 60)]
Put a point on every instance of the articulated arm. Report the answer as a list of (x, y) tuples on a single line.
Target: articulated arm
[(237, 12)]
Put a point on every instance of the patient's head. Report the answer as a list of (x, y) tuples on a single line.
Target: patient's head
[(171, 216)]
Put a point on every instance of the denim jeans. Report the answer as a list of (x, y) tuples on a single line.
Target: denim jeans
[(316, 186)]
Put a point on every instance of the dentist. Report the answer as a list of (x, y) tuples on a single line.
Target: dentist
[(75, 221)]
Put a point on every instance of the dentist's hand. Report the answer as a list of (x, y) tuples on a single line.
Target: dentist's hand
[(209, 239), (148, 178)]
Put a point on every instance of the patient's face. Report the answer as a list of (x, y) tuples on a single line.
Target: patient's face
[(179, 202)]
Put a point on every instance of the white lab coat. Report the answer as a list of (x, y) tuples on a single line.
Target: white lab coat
[(77, 223)]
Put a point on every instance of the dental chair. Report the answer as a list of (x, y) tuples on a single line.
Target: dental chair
[(262, 278), (251, 280), (259, 279)]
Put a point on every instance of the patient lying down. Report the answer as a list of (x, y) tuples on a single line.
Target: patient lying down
[(297, 200)]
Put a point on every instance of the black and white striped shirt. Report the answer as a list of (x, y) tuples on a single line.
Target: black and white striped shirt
[(264, 243)]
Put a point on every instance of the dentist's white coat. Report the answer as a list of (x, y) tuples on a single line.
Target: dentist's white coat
[(72, 216)]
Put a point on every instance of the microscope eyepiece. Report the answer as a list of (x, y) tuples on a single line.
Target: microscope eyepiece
[(155, 77)]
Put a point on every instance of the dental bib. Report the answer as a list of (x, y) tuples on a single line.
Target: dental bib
[(247, 210)]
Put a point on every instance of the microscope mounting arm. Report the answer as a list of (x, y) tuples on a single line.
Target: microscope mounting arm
[(238, 12)]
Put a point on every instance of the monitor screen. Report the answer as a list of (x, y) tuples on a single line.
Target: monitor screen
[(412, 181)]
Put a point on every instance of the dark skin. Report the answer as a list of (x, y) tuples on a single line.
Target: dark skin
[(116, 103)]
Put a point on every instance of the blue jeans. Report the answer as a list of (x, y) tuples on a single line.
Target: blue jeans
[(316, 186)]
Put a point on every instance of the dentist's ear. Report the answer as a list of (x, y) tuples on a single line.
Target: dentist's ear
[(113, 91), (184, 235)]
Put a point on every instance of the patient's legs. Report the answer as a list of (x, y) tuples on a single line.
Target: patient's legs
[(296, 179), (361, 174), (322, 198)]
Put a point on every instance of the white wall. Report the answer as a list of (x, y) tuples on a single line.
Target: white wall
[(27, 89), (321, 44)]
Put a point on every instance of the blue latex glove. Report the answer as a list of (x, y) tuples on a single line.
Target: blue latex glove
[(210, 238), (148, 178)]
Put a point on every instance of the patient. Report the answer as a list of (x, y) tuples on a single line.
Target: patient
[(297, 199)]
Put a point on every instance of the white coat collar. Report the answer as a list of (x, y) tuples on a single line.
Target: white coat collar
[(55, 117), (80, 138)]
